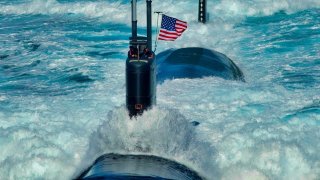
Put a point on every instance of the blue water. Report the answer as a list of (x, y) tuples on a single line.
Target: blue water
[(62, 90)]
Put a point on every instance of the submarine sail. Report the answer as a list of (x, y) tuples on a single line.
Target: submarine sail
[(140, 67)]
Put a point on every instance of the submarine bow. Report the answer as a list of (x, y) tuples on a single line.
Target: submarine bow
[(117, 166)]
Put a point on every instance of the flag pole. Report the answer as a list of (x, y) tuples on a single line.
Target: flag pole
[(156, 41)]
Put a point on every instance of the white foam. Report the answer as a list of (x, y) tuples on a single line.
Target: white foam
[(113, 12), (244, 127), (224, 15), (119, 12), (239, 135), (243, 130), (161, 132)]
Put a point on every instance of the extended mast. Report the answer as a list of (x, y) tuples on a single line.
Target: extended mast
[(149, 24), (202, 14), (134, 20)]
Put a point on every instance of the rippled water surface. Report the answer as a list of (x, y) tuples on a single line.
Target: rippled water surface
[(62, 90)]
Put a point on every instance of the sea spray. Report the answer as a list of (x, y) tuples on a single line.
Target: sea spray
[(161, 132)]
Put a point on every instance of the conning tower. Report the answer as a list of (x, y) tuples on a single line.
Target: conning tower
[(140, 67)]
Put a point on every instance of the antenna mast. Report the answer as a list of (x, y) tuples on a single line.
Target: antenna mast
[(202, 16), (134, 20), (149, 24)]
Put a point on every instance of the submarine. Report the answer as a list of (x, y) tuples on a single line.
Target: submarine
[(143, 73), (144, 70)]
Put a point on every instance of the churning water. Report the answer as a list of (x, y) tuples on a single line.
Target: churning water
[(62, 89)]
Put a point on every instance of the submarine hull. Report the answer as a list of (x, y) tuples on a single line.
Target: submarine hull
[(196, 62), (119, 166)]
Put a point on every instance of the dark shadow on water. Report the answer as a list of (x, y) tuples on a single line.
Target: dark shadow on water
[(80, 78), (3, 56), (77, 77), (20, 67), (101, 54), (35, 63), (195, 123), (7, 66), (31, 46)]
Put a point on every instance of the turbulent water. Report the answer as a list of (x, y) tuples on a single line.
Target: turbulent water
[(62, 89)]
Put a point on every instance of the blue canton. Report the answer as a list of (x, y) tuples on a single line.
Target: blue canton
[(168, 23)]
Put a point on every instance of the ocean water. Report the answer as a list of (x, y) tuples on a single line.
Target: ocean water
[(62, 89)]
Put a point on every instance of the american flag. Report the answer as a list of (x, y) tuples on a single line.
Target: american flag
[(171, 28)]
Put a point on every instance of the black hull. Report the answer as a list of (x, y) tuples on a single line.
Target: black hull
[(116, 166), (196, 62)]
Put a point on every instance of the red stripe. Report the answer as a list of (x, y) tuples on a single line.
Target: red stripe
[(182, 24), (171, 37), (169, 32), (165, 39), (180, 31), (168, 37), (181, 21)]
